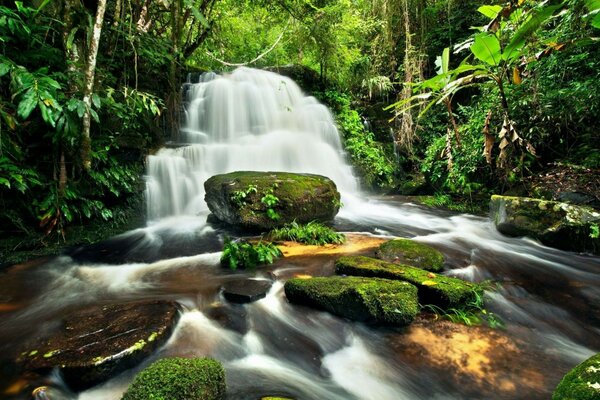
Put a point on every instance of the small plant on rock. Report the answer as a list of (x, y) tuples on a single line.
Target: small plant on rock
[(243, 254), (312, 233)]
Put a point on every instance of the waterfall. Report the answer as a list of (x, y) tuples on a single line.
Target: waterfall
[(246, 120)]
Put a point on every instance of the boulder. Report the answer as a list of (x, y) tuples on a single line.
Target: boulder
[(230, 316), (555, 224), (266, 200), (179, 379), (246, 290), (99, 342), (406, 251), (439, 290), (379, 301), (581, 383)]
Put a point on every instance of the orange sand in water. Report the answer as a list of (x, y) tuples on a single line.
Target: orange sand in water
[(483, 356), (355, 243)]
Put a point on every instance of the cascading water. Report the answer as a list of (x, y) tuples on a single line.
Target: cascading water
[(257, 120), (247, 120)]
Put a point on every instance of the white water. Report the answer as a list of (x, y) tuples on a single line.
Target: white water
[(247, 120)]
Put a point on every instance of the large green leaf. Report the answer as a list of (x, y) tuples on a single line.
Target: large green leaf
[(487, 48), (514, 48), (596, 21), (490, 11), (27, 104)]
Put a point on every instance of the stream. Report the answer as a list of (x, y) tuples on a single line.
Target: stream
[(548, 299)]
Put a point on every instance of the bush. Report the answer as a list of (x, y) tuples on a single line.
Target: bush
[(179, 379), (243, 254), (311, 233)]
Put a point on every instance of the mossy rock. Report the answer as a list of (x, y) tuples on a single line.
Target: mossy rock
[(409, 252), (238, 198), (439, 290), (179, 379), (581, 383), (371, 300), (555, 224), (98, 342)]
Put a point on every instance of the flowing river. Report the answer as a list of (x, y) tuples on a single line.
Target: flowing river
[(256, 120)]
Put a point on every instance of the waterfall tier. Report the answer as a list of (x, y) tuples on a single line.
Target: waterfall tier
[(247, 120)]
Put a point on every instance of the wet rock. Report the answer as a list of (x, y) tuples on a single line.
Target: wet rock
[(561, 225), (266, 200), (96, 343), (372, 300), (246, 290), (439, 290), (230, 316), (179, 379), (415, 254), (581, 383)]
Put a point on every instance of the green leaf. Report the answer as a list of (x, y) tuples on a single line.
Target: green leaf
[(596, 21), (513, 49), (490, 11), (592, 5), (487, 48), (80, 109), (96, 100), (27, 104), (4, 68)]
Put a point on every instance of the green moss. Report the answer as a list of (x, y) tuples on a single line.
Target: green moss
[(581, 383), (439, 290), (179, 379), (412, 253), (51, 353), (360, 299)]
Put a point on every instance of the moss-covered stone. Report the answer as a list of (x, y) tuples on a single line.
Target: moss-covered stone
[(409, 252), (439, 290), (581, 383), (179, 379), (267, 200), (561, 225), (379, 301), (99, 342)]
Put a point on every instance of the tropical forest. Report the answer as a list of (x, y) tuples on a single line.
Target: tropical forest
[(299, 199)]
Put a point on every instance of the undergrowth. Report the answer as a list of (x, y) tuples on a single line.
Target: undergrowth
[(472, 313), (313, 233), (243, 254)]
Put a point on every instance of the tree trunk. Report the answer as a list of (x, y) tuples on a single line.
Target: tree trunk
[(174, 73), (89, 85), (405, 134)]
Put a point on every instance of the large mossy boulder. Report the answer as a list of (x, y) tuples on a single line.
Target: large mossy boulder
[(439, 290), (561, 225), (581, 383), (96, 343), (179, 379), (379, 301), (409, 252), (267, 200)]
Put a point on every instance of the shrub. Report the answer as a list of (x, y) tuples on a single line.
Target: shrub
[(179, 379), (243, 254), (311, 233)]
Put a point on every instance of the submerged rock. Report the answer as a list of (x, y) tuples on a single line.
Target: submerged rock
[(380, 301), (97, 343), (438, 290), (246, 290), (409, 252), (179, 379), (561, 225), (581, 383), (266, 200)]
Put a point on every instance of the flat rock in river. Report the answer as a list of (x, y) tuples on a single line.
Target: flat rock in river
[(246, 290), (98, 342)]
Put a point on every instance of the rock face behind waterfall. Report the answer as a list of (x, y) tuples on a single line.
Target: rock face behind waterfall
[(561, 225), (265, 200)]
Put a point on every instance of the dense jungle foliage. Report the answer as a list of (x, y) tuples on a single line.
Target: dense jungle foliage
[(465, 97)]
